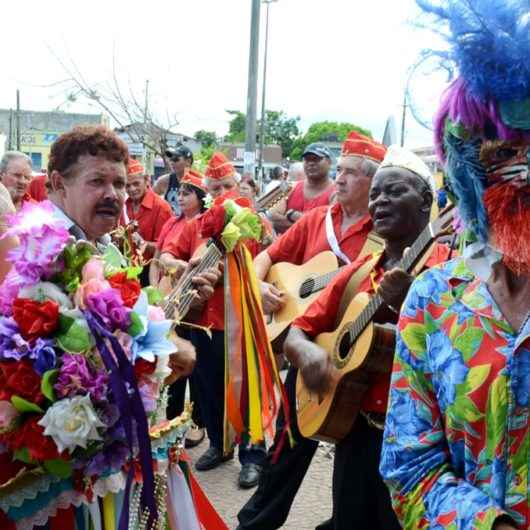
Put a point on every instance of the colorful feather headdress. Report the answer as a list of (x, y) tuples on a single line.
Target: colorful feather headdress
[(489, 43)]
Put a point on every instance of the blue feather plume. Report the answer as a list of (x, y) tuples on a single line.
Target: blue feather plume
[(467, 178), (490, 43)]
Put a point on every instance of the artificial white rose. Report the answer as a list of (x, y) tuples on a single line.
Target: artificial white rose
[(72, 422)]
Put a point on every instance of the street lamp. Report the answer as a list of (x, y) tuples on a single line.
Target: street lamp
[(262, 127)]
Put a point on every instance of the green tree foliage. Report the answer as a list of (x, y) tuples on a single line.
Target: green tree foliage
[(325, 131), (207, 138), (279, 129)]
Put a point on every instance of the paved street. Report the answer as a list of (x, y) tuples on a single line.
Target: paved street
[(312, 504)]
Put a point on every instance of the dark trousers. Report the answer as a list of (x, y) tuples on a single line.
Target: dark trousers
[(269, 507), (360, 497), (177, 394), (209, 380)]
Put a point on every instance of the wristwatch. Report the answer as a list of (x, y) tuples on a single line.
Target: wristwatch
[(289, 213)]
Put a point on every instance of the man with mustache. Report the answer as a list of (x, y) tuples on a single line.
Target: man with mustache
[(455, 452), (15, 175), (88, 174), (316, 190)]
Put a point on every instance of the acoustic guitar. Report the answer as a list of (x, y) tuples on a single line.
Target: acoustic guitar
[(301, 284), (357, 347)]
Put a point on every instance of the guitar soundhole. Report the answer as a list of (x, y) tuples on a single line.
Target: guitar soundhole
[(344, 346), (306, 289)]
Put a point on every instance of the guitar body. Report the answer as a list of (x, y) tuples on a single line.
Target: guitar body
[(292, 279), (331, 417)]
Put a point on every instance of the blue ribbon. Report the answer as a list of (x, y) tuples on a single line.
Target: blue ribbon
[(129, 401)]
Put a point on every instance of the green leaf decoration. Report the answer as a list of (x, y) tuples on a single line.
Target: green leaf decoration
[(414, 337), (75, 340), (74, 256), (468, 341), (65, 322), (23, 405), (136, 326), (23, 455), (114, 261), (154, 296), (58, 467), (48, 380), (134, 272), (475, 377)]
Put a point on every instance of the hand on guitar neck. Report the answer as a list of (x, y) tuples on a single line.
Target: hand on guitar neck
[(314, 363), (394, 287), (205, 282)]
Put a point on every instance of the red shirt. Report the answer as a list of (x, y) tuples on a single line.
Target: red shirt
[(170, 231), (151, 216), (307, 237), (320, 318), (297, 200), (37, 188), (184, 248)]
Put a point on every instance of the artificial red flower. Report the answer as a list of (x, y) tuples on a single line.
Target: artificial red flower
[(31, 435), (244, 202), (212, 222), (232, 194), (129, 289), (35, 319), (20, 379), (142, 368)]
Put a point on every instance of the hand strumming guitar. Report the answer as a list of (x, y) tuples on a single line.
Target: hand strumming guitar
[(394, 287), (272, 298), (313, 362)]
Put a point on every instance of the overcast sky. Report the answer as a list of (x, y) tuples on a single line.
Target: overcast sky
[(341, 60)]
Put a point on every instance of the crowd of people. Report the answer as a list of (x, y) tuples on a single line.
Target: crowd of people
[(439, 430)]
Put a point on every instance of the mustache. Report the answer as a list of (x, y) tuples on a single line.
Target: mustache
[(108, 205)]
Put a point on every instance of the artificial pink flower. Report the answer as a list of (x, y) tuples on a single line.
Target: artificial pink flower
[(155, 313), (86, 289)]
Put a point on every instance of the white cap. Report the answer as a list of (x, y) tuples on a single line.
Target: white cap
[(397, 156)]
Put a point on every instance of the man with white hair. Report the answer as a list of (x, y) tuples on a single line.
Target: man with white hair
[(400, 200), (15, 175)]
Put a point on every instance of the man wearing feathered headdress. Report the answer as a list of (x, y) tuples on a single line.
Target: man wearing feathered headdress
[(456, 441)]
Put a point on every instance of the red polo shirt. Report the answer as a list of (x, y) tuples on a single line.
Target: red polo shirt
[(184, 248), (307, 237), (320, 318), (298, 201), (151, 216)]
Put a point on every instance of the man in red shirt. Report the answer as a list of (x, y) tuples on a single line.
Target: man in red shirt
[(149, 210), (316, 190), (399, 203), (15, 175), (209, 372), (348, 227)]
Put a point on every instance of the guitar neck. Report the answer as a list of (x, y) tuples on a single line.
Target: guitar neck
[(269, 199), (181, 297), (407, 264)]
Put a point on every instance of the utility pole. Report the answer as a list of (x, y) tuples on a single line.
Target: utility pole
[(263, 110), (18, 119), (249, 159), (10, 135), (403, 118)]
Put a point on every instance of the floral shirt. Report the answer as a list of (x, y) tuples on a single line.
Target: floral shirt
[(456, 443)]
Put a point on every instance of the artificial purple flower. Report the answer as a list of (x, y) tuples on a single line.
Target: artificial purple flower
[(109, 460), (43, 355), (42, 238), (77, 376), (12, 345), (109, 306)]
